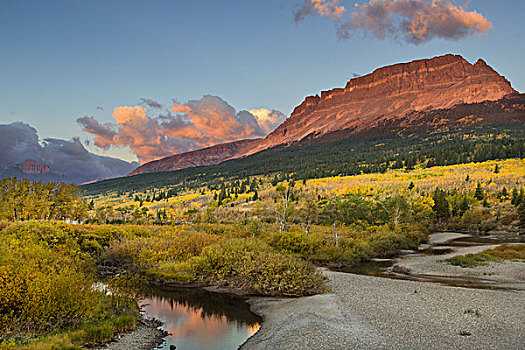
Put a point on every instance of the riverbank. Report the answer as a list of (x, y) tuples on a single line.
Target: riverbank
[(146, 336), (365, 312)]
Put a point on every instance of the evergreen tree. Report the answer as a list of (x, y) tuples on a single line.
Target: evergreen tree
[(255, 195), (411, 186), (479, 193), (441, 204), (521, 214), (496, 169), (515, 197), (463, 206)]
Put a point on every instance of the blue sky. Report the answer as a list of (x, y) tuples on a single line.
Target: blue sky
[(59, 60)]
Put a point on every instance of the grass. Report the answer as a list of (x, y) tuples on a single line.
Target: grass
[(514, 252)]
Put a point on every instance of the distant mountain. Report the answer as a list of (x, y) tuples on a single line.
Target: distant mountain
[(391, 98), (206, 156), (24, 155)]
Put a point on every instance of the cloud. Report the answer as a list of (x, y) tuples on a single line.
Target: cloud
[(160, 131), (412, 21), (151, 103), (99, 108), (268, 120), (328, 9), (67, 158), (105, 133)]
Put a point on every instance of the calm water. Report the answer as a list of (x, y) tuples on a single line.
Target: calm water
[(197, 319)]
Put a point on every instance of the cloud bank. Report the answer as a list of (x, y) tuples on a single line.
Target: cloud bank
[(68, 160), (411, 21), (152, 130)]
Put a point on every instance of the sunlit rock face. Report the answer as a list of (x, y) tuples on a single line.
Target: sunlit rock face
[(206, 156), (30, 166), (391, 92), (390, 95)]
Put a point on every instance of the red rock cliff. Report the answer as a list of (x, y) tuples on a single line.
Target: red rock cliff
[(390, 92), (30, 166)]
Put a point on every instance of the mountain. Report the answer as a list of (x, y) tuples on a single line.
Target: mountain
[(30, 166), (393, 95), (24, 155), (206, 156)]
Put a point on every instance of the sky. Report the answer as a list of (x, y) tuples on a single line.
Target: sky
[(178, 68)]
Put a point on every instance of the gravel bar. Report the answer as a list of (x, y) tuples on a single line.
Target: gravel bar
[(365, 312)]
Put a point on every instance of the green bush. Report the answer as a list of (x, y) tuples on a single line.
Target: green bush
[(384, 241), (254, 267), (469, 260)]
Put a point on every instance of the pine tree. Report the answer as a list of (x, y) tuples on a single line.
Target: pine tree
[(521, 214), (479, 193), (441, 204), (496, 169), (411, 186), (515, 197)]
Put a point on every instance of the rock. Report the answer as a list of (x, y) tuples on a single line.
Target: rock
[(173, 347), (400, 269)]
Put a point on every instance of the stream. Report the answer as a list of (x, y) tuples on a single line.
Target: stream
[(198, 319), (383, 267)]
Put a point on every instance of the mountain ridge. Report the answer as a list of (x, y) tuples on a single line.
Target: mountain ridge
[(387, 94)]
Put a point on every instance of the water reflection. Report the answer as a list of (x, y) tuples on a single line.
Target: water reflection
[(197, 319)]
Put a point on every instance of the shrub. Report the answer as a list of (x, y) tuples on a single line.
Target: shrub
[(45, 283), (386, 242), (55, 342), (254, 267), (124, 323), (142, 252), (94, 333), (503, 252), (296, 242), (469, 260)]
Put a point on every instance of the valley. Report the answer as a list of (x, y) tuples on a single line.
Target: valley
[(379, 173)]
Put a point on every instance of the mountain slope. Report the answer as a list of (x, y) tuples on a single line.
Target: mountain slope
[(462, 134), (390, 96), (206, 156)]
